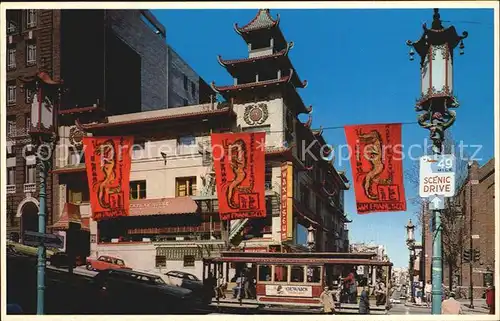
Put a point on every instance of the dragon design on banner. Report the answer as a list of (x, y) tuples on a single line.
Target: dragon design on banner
[(377, 170), (239, 174), (108, 163)]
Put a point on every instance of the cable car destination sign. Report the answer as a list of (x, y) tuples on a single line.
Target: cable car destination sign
[(437, 175)]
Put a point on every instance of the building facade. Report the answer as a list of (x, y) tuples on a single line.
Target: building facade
[(117, 51), (185, 86), (174, 220)]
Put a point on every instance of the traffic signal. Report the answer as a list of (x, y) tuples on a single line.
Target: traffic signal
[(467, 256), (477, 255)]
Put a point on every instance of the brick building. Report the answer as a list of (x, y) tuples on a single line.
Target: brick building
[(116, 51), (481, 195)]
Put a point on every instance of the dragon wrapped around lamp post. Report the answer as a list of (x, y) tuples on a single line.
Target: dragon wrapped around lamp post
[(437, 123)]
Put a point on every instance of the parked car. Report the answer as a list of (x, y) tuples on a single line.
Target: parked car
[(188, 281), (128, 291), (105, 262), (61, 260)]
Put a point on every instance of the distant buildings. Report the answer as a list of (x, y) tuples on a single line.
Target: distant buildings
[(374, 248), (400, 276)]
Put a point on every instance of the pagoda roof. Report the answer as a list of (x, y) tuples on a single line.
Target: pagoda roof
[(222, 89), (148, 118), (231, 64), (262, 20)]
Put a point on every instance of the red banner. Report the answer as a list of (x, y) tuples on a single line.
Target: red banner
[(108, 163), (239, 161), (376, 162)]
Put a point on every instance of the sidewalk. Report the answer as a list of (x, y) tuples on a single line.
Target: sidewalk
[(479, 306)]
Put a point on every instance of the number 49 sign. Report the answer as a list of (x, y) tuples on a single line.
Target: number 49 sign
[(437, 175)]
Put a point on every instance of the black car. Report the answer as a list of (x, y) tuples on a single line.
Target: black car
[(133, 292), (60, 260)]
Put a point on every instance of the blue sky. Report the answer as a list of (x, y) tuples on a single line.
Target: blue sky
[(357, 66)]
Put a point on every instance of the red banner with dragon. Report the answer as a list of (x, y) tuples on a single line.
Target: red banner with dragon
[(376, 162), (108, 163), (239, 161)]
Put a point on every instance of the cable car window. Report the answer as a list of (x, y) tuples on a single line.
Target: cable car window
[(281, 273), (314, 274), (264, 273), (297, 274)]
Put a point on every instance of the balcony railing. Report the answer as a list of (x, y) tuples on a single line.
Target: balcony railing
[(29, 187), (11, 189)]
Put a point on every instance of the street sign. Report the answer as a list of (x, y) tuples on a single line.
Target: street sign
[(436, 202), (48, 240), (437, 175), (474, 182), (474, 236)]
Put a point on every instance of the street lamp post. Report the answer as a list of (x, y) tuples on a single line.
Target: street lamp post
[(472, 253), (435, 48), (42, 129), (410, 242)]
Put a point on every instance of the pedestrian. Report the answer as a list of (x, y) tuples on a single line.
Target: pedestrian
[(327, 301), (428, 293), (364, 301), (450, 305), (380, 295), (351, 285), (490, 298), (418, 295)]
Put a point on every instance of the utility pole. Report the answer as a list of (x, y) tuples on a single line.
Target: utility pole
[(435, 48)]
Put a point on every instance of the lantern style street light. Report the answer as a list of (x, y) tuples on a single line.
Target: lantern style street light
[(45, 98), (311, 241), (410, 242), (435, 48)]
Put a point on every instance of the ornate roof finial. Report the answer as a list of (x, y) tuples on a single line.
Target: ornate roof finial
[(436, 22)]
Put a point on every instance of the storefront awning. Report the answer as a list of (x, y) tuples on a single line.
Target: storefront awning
[(71, 214), (163, 206)]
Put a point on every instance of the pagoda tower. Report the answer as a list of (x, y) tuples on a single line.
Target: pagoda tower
[(265, 97)]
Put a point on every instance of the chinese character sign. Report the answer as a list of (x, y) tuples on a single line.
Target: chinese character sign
[(376, 162), (286, 210), (239, 161), (108, 163)]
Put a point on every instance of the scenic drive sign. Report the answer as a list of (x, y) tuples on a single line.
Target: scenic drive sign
[(437, 175)]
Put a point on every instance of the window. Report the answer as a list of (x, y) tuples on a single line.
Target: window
[(31, 54), (11, 176), (297, 274), (185, 82), (27, 120), (76, 158), (269, 178), (264, 273), (281, 273), (30, 18), (93, 238), (188, 260), (137, 190), (28, 95), (185, 186), (319, 205), (12, 27), (193, 89), (11, 58), (30, 174), (185, 144), (304, 195), (11, 126), (11, 94), (75, 197), (138, 150), (160, 261), (314, 274)]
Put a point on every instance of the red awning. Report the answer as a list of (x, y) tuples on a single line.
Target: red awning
[(71, 214), (163, 206)]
